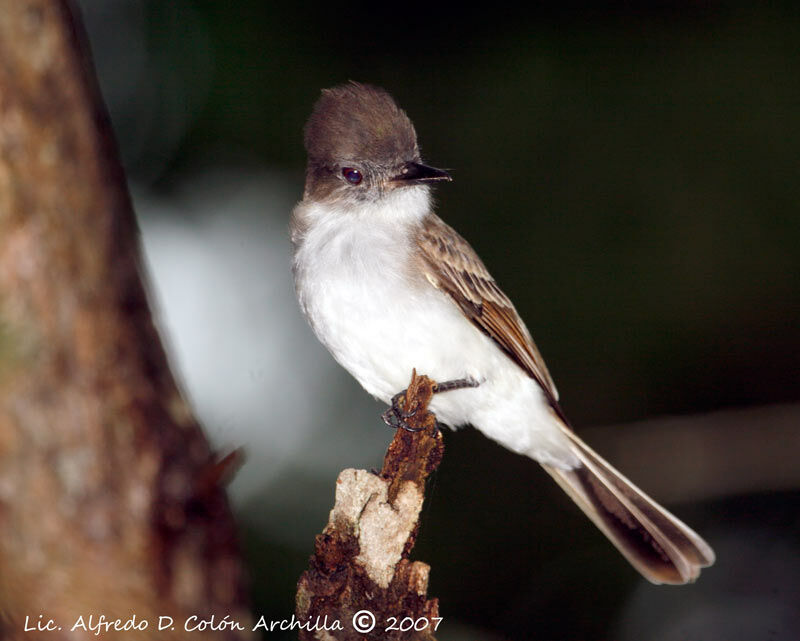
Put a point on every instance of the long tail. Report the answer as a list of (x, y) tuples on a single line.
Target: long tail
[(657, 544)]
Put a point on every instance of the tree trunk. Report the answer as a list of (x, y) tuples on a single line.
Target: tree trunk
[(110, 503)]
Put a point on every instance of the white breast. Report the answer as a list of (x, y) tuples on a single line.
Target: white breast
[(354, 285), (352, 276)]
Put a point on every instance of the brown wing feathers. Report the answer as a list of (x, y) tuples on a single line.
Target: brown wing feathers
[(656, 543), (451, 265)]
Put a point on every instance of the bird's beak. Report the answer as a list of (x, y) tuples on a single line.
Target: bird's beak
[(414, 173)]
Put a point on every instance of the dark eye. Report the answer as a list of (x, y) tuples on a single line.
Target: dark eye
[(353, 176)]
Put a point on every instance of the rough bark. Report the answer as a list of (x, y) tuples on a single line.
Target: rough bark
[(361, 559), (109, 496)]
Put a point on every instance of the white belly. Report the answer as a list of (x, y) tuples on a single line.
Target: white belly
[(379, 333)]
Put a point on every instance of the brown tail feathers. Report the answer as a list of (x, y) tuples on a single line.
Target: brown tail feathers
[(657, 544)]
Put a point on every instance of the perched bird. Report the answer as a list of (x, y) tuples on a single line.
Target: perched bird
[(387, 286)]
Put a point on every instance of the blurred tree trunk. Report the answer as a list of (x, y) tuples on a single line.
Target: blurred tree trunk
[(110, 502)]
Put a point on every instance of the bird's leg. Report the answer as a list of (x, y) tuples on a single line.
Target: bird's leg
[(459, 383), (449, 386)]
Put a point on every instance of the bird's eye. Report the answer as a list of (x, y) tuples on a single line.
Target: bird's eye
[(353, 176)]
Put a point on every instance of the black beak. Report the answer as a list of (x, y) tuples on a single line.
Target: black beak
[(414, 172)]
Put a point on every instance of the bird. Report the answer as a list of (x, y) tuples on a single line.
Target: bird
[(389, 287)]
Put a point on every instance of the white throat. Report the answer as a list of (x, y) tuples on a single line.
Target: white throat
[(368, 238), (398, 208)]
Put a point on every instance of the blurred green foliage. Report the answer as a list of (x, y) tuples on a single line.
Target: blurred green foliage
[(630, 175)]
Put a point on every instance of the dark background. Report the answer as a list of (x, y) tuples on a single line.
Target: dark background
[(629, 174)]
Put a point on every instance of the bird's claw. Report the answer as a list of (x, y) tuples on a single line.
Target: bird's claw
[(396, 416), (399, 411)]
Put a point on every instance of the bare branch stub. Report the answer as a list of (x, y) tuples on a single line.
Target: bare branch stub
[(361, 559), (412, 456)]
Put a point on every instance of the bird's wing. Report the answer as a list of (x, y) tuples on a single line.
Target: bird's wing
[(452, 266)]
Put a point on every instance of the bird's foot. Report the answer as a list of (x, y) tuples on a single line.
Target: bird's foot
[(396, 416)]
